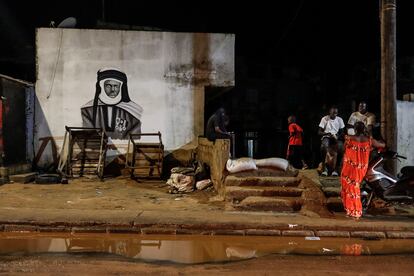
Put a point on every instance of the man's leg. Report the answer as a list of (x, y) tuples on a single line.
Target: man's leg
[(324, 151), (340, 152)]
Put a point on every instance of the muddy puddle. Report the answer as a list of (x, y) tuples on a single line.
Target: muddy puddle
[(193, 249)]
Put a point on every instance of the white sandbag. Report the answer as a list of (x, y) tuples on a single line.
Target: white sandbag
[(274, 162), (241, 164)]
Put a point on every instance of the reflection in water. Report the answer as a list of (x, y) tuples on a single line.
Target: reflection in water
[(352, 249), (194, 249)]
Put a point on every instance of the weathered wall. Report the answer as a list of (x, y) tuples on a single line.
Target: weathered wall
[(405, 124), (166, 74), (15, 137)]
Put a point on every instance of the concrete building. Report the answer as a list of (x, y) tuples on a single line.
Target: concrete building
[(167, 73)]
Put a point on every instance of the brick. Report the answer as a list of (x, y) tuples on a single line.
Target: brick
[(193, 232), (20, 228), (301, 233), (123, 229), (54, 229), (400, 235), (262, 232), (89, 229), (342, 234), (159, 231), (368, 234), (229, 232)]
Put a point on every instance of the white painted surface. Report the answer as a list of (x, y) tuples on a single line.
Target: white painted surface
[(166, 74), (405, 122)]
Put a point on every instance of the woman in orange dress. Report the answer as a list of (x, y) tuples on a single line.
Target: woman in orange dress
[(355, 165)]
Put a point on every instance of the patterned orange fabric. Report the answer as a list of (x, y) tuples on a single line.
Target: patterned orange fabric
[(354, 168)]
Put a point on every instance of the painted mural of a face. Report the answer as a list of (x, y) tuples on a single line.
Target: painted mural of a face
[(112, 108), (112, 88)]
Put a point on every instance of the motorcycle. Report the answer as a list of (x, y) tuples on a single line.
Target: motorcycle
[(379, 183)]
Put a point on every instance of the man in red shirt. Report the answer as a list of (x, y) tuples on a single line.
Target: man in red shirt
[(295, 146)]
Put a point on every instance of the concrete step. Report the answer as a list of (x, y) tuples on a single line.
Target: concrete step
[(237, 193), (332, 191), (276, 204), (265, 181), (265, 171), (23, 178), (334, 204)]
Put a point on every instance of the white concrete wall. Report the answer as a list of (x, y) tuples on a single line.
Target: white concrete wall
[(405, 123), (166, 74)]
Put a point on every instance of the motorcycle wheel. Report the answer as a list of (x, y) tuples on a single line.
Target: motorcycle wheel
[(366, 199)]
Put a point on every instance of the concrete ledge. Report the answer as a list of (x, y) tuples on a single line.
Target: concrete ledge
[(20, 228), (299, 233), (158, 231), (400, 235), (339, 234), (89, 229), (260, 232), (229, 232), (368, 234), (54, 229), (212, 229)]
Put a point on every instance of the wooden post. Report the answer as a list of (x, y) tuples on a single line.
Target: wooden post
[(388, 76)]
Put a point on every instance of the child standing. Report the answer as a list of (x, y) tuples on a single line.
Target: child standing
[(295, 145)]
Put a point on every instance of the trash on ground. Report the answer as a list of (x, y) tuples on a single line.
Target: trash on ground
[(292, 225), (312, 238), (181, 183), (202, 184)]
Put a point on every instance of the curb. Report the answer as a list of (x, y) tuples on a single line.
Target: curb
[(216, 229)]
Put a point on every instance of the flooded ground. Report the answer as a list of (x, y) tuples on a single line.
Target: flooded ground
[(194, 249)]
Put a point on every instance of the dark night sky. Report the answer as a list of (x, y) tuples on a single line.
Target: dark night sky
[(331, 35), (326, 38)]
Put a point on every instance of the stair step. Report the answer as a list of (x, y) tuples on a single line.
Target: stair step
[(239, 193), (279, 204), (266, 171), (266, 181), (335, 204), (332, 191)]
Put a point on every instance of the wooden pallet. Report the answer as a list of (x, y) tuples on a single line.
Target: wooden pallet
[(86, 151), (145, 159)]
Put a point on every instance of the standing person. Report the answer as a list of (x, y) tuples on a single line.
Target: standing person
[(362, 115), (331, 129), (355, 165), (295, 146), (216, 125)]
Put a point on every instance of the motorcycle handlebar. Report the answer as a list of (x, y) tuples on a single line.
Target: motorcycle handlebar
[(400, 156)]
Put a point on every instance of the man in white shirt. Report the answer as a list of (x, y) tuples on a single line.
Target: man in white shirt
[(331, 128), (362, 115)]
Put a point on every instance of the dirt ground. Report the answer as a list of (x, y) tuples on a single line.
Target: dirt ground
[(122, 201), (120, 193), (269, 265)]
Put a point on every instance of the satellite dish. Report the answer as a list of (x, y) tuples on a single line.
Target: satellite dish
[(69, 22)]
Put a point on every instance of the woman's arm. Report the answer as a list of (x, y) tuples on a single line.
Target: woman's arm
[(378, 144)]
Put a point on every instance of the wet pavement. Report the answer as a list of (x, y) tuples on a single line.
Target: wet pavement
[(292, 265), (194, 249)]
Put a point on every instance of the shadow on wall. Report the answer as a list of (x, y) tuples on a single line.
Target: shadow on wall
[(46, 156)]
